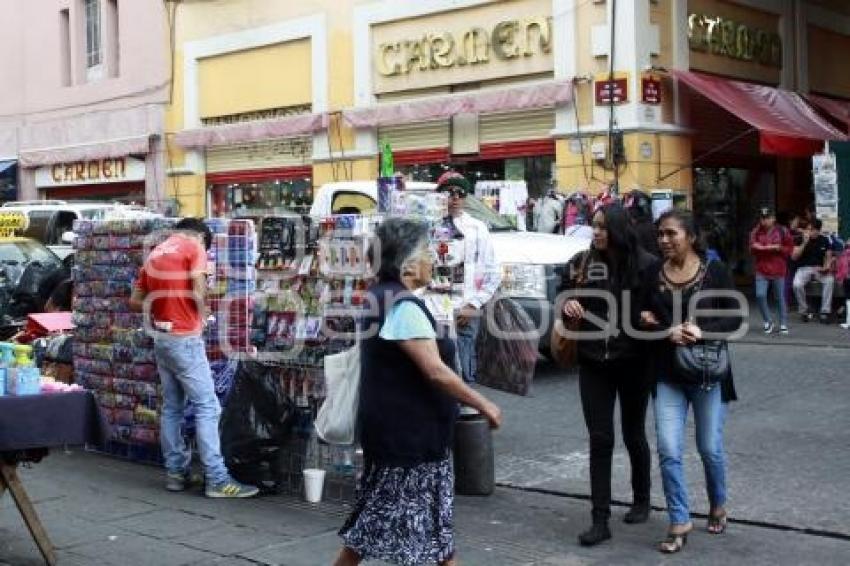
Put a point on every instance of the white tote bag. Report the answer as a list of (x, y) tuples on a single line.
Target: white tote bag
[(337, 418)]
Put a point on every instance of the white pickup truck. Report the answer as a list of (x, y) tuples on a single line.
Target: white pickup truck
[(531, 261)]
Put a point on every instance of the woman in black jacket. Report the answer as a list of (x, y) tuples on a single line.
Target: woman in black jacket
[(610, 361), (683, 274)]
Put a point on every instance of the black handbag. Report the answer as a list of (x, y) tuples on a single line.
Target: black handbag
[(706, 362)]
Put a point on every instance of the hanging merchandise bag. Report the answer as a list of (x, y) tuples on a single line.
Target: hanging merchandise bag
[(507, 347), (337, 418), (256, 422)]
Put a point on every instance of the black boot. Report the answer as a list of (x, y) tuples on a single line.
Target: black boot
[(638, 513), (598, 532)]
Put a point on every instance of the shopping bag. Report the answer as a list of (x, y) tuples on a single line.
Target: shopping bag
[(563, 350), (507, 347), (258, 417), (337, 418)]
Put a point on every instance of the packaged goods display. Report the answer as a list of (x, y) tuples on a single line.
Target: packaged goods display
[(231, 287), (113, 356)]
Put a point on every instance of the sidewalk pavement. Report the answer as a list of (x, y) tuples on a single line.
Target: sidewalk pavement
[(800, 333), (100, 510)]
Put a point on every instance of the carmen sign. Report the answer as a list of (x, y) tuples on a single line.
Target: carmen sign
[(734, 40), (97, 171), (507, 40)]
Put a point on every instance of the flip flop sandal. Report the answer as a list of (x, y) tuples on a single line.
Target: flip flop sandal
[(717, 525), (674, 543)]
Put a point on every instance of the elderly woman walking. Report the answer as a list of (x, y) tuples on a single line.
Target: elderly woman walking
[(408, 406)]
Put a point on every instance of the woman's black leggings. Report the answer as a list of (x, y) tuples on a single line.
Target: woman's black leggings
[(600, 385)]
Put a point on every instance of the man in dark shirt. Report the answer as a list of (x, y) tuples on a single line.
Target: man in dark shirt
[(814, 261)]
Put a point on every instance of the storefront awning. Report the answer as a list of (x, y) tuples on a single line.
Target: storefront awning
[(787, 125), (838, 109), (540, 95), (230, 134), (6, 165), (85, 152)]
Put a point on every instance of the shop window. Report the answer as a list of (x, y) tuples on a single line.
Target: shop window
[(112, 38), (65, 47), (94, 53), (228, 200), (535, 171)]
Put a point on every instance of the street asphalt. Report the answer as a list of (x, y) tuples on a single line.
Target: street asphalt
[(789, 486)]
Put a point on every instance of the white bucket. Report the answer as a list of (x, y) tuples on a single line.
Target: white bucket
[(314, 481)]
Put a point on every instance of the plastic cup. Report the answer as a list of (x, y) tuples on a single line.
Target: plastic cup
[(314, 481)]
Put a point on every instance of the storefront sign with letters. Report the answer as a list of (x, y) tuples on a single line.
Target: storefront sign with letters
[(96, 171), (509, 39), (728, 38)]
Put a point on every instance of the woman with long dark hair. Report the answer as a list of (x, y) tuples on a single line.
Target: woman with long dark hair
[(683, 276), (611, 365)]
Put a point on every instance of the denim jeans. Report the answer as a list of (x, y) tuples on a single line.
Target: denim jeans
[(805, 274), (763, 285), (671, 414), (185, 375), (466, 338)]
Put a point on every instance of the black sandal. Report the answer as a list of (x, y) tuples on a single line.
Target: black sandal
[(674, 542), (717, 524)]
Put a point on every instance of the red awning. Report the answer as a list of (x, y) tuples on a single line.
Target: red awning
[(838, 109), (787, 125)]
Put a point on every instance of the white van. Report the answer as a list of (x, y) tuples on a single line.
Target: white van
[(51, 222), (531, 262)]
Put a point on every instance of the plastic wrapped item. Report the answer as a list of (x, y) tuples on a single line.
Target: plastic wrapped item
[(145, 373), (507, 351), (257, 420), (224, 376), (145, 435)]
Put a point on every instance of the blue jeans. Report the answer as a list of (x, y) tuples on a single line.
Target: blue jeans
[(466, 338), (671, 414), (763, 285), (185, 375)]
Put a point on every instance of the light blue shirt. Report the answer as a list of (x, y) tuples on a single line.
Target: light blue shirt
[(406, 321)]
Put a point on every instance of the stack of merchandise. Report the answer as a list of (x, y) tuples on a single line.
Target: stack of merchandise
[(232, 285), (113, 356)]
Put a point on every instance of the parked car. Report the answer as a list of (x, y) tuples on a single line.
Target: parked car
[(531, 261), (29, 271)]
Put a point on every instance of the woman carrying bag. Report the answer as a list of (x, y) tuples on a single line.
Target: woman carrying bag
[(611, 366), (692, 368), (408, 406)]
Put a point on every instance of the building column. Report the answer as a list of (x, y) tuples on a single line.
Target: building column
[(26, 184)]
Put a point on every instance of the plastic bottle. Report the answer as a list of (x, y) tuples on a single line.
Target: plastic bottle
[(28, 378), (7, 361)]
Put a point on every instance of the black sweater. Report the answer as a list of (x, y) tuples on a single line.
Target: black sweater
[(404, 419), (660, 302), (619, 347)]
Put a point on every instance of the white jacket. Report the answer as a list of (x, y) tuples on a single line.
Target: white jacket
[(482, 272)]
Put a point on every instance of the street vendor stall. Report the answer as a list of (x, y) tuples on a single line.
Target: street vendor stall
[(30, 425)]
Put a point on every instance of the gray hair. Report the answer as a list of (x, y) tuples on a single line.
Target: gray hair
[(398, 240)]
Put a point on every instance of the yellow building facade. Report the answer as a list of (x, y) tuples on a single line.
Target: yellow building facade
[(241, 65)]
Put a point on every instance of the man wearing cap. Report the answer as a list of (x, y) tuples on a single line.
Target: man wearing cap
[(478, 275), (771, 245)]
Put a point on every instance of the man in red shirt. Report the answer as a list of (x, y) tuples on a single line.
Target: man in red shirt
[(170, 290), (771, 245)]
